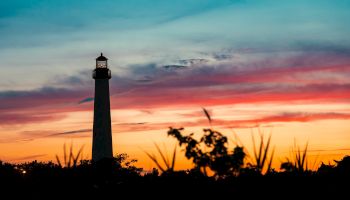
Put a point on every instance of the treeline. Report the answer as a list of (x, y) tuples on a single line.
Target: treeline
[(218, 171)]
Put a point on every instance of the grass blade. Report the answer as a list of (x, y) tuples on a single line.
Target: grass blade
[(270, 162), (174, 158), (154, 159), (304, 156), (58, 161), (260, 152), (162, 156), (75, 159), (70, 155), (266, 150), (65, 154), (207, 114)]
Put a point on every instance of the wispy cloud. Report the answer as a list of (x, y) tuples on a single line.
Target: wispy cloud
[(30, 157), (265, 121), (280, 79), (88, 99), (66, 133), (28, 136)]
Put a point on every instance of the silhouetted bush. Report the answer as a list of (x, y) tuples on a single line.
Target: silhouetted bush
[(119, 175), (216, 156)]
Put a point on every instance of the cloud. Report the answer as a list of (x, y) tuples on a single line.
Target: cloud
[(322, 46), (70, 132), (286, 78), (137, 123), (191, 62), (27, 136), (88, 99), (265, 121), (218, 56), (300, 117), (39, 97), (7, 119), (40, 105), (275, 79), (30, 157), (174, 67)]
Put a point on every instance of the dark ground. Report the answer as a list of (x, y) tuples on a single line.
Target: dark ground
[(87, 181)]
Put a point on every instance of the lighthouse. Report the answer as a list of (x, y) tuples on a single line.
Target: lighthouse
[(102, 131)]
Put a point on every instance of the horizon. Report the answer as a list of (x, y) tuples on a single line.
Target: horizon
[(281, 67)]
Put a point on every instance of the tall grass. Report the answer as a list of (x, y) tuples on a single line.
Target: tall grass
[(71, 160), (299, 161), (169, 165), (262, 160)]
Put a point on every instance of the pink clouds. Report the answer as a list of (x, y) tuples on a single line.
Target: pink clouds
[(249, 123), (46, 104), (280, 79), (298, 117), (21, 118), (210, 96)]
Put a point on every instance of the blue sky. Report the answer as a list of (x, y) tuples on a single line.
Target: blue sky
[(49, 38)]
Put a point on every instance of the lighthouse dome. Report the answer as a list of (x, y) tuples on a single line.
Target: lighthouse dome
[(101, 58)]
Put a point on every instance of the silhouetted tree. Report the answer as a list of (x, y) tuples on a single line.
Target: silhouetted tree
[(216, 156)]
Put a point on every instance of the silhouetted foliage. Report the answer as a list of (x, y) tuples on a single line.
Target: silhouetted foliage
[(169, 164), (341, 168), (232, 176), (261, 158), (298, 163), (216, 156), (72, 159)]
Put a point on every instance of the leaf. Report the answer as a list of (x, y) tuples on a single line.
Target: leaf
[(64, 154), (174, 158), (58, 161), (270, 163), (260, 152), (304, 156), (265, 152), (154, 159), (70, 155), (207, 114), (162, 156), (75, 160)]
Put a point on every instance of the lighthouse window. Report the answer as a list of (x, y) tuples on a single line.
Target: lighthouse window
[(101, 64)]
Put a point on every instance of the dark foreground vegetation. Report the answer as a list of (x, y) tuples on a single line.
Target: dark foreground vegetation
[(218, 172)]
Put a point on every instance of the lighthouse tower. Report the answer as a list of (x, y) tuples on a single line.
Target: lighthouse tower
[(102, 131)]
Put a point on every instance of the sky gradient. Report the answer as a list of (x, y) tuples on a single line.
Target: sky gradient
[(283, 66)]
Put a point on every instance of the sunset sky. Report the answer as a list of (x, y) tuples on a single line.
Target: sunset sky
[(279, 66)]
